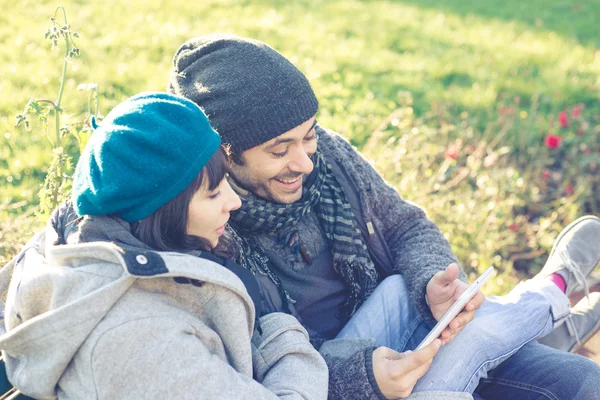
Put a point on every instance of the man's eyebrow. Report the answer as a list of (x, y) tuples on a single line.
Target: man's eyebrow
[(278, 142), (288, 140)]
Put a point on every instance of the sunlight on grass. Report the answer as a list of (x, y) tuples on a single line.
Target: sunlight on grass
[(460, 67)]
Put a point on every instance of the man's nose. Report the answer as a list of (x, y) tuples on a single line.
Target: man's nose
[(301, 162)]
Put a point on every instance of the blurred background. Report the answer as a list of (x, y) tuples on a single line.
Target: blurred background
[(486, 113)]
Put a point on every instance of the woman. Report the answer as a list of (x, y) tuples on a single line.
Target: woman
[(119, 298)]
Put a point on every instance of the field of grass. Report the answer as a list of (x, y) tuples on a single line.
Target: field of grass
[(453, 100)]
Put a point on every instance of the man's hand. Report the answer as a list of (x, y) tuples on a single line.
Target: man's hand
[(397, 373), (442, 291)]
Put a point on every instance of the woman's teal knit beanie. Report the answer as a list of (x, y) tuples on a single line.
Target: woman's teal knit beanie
[(145, 152)]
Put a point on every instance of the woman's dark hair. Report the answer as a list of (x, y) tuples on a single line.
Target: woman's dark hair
[(166, 228)]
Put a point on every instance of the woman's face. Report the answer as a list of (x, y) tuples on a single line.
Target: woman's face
[(209, 211)]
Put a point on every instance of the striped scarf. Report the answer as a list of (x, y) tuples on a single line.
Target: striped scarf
[(351, 259)]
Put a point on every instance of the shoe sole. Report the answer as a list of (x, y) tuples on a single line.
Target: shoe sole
[(584, 339)]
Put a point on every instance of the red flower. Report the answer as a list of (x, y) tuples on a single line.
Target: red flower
[(514, 227), (506, 111), (563, 119), (452, 153), (553, 141), (545, 175), (577, 108), (569, 189)]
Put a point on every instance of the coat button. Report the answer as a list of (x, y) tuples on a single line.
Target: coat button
[(141, 259)]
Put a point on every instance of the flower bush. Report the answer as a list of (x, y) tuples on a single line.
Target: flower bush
[(495, 206)]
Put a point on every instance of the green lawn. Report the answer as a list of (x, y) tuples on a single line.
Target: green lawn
[(452, 64)]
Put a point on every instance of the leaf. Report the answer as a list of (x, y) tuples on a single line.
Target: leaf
[(20, 118), (33, 105)]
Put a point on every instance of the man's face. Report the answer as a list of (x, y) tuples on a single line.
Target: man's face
[(274, 170)]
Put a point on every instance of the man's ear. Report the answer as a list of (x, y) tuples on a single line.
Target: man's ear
[(228, 155), (232, 158)]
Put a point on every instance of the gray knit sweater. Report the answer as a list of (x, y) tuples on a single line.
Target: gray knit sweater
[(417, 248), (400, 233)]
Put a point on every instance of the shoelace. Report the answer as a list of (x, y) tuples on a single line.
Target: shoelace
[(575, 269), (572, 329)]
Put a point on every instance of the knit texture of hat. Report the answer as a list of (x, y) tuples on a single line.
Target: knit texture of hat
[(145, 152), (250, 92)]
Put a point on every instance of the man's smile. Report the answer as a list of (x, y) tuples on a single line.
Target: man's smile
[(289, 184)]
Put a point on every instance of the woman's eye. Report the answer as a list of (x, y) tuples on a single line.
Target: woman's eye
[(308, 139), (214, 195)]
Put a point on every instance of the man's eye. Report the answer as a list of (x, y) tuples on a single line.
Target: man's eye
[(279, 155)]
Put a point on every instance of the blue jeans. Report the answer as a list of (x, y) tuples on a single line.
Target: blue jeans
[(495, 355)]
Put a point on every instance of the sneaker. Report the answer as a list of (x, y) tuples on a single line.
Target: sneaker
[(581, 325), (575, 254)]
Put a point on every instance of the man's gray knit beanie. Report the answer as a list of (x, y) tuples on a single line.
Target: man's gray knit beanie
[(250, 93)]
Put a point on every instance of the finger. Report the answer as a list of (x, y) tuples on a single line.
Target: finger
[(446, 333), (449, 339), (475, 302), (413, 376), (445, 286), (462, 319), (387, 353), (419, 357), (458, 322), (455, 327), (449, 275)]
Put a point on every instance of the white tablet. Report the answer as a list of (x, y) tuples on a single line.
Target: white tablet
[(456, 308)]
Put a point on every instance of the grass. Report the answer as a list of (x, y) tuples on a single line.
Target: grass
[(458, 73)]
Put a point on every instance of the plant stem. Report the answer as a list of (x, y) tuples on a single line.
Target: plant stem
[(47, 101), (63, 79)]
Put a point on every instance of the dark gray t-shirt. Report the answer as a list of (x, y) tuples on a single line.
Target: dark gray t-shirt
[(317, 288)]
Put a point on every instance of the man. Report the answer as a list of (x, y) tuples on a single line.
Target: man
[(327, 237)]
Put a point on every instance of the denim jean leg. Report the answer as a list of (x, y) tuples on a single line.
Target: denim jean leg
[(538, 372), (389, 317), (502, 325)]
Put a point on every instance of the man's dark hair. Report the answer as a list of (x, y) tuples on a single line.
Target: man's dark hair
[(237, 158), (166, 228)]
